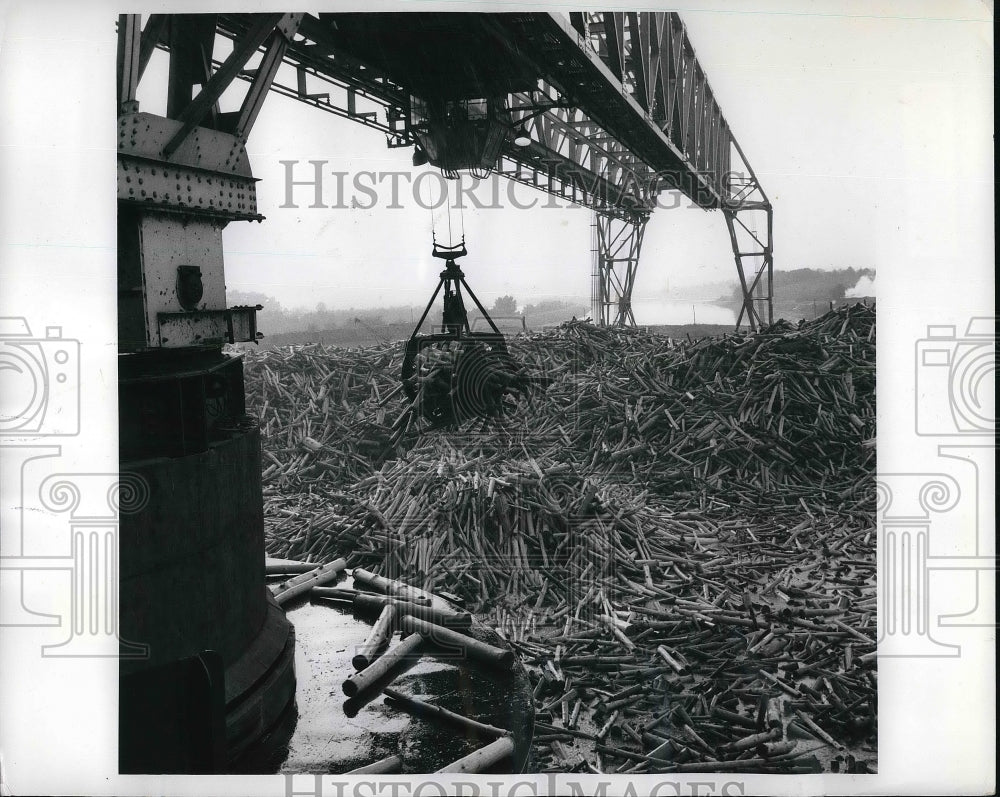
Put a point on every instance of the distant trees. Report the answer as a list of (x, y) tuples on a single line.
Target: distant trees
[(275, 319), (238, 298), (812, 284), (505, 305), (553, 311), (807, 292)]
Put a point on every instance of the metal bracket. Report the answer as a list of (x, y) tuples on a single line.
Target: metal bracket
[(209, 327)]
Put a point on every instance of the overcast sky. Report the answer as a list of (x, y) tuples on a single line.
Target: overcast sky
[(869, 125), (853, 123)]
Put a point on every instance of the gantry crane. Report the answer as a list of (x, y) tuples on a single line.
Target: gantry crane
[(606, 110)]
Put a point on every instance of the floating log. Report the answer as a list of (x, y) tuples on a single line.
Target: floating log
[(483, 758), (447, 639), (376, 639), (368, 603), (388, 585), (294, 587), (384, 766), (424, 709), (380, 667), (274, 568)]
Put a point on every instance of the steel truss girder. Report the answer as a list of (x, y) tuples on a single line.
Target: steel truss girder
[(617, 244), (642, 118), (636, 74), (652, 56)]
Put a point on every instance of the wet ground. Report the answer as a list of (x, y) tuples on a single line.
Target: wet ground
[(334, 734)]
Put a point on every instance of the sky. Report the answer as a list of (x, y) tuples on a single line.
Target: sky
[(852, 120)]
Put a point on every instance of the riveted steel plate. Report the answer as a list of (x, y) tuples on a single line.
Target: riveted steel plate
[(145, 135), (163, 185), (209, 174)]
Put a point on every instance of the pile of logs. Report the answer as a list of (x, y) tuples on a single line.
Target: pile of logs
[(678, 537)]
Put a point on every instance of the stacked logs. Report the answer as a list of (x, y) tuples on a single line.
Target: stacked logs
[(677, 537), (789, 410)]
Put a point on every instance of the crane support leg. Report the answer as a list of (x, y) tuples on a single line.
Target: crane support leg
[(616, 245), (754, 255)]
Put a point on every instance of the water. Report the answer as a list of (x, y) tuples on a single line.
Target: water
[(664, 311), (332, 736)]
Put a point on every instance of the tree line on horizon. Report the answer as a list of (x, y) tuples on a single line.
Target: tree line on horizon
[(275, 319), (799, 292)]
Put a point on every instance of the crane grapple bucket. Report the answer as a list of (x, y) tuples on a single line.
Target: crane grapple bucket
[(457, 374)]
